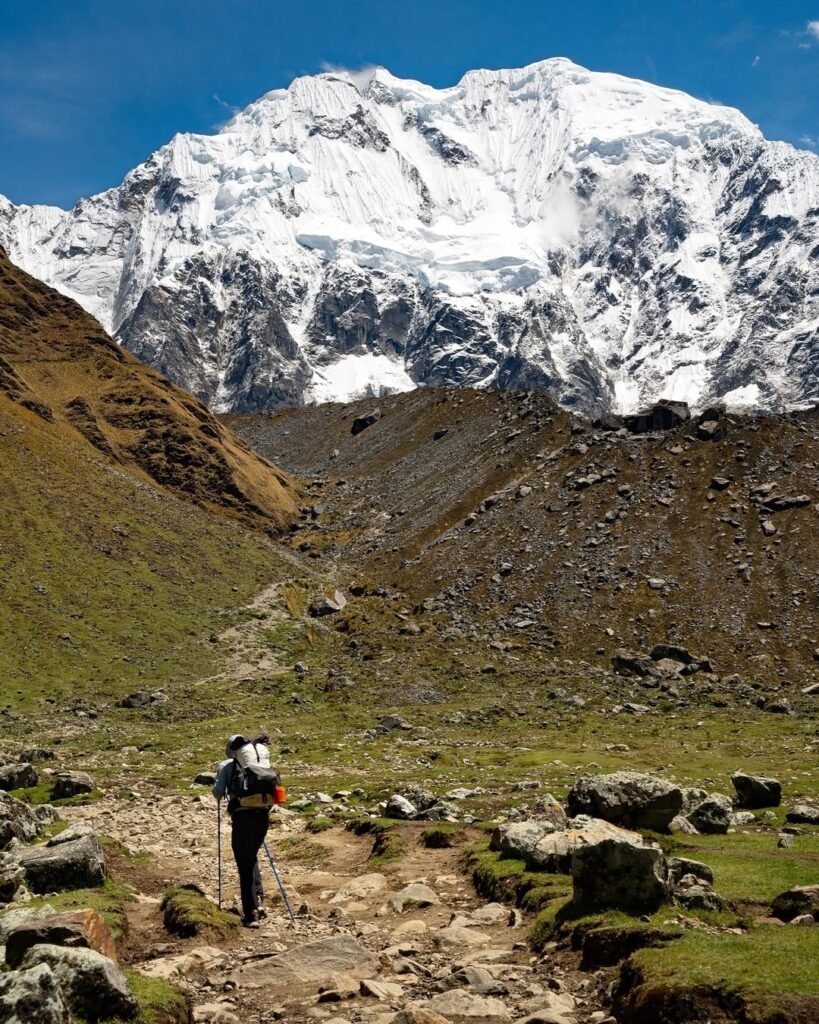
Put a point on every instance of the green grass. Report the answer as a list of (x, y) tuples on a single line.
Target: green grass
[(187, 912), (318, 825), (504, 879), (764, 967), (749, 867), (109, 900), (159, 1002), (41, 794)]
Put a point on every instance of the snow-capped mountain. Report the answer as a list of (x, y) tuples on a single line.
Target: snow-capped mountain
[(548, 227)]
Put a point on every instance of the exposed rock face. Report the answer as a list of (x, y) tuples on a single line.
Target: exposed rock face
[(324, 962), (619, 873), (349, 237), (712, 815), (627, 798)]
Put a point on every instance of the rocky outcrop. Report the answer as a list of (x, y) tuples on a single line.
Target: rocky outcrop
[(754, 791), (93, 987), (32, 995), (78, 929), (619, 873), (76, 863)]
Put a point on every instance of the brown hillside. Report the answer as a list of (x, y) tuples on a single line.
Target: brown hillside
[(509, 525), (57, 361)]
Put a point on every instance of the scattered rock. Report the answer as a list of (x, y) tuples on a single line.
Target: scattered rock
[(628, 663), (678, 867), (382, 990), (362, 422), (803, 814), (754, 791), (399, 807), (18, 776), (68, 784), (414, 896), (457, 1005), (327, 603), (331, 962), (11, 876), (695, 893), (555, 850), (713, 815), (802, 899)]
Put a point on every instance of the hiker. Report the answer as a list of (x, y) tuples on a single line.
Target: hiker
[(252, 788)]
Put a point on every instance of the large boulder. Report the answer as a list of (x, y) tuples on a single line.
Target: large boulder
[(361, 423), (14, 916), (802, 899), (755, 791), (621, 874), (18, 776), (629, 663), (74, 864), (399, 807), (630, 799), (18, 820), (32, 997), (68, 784), (519, 838), (328, 603), (78, 929), (712, 816), (555, 850), (93, 986)]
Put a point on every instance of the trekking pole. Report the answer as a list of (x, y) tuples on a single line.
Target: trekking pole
[(219, 846), (281, 886)]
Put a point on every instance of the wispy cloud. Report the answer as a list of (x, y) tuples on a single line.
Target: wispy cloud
[(812, 28), (756, 61), (360, 77), (227, 106), (811, 141)]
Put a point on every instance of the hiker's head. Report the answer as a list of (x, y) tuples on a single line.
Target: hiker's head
[(234, 743)]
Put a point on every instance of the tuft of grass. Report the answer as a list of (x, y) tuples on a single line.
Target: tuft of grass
[(318, 825), (41, 794), (505, 879), (110, 900), (187, 912)]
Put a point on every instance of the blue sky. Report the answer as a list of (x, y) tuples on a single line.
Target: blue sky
[(88, 88)]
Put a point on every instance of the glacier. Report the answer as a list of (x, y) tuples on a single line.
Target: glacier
[(549, 227)]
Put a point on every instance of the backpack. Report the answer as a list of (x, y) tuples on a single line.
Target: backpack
[(253, 782)]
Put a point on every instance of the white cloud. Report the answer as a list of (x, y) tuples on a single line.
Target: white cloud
[(812, 28), (360, 77), (225, 104), (756, 61), (811, 141)]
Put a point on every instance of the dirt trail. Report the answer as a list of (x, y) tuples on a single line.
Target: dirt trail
[(340, 899)]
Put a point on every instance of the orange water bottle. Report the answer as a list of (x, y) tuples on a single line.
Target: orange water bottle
[(280, 794)]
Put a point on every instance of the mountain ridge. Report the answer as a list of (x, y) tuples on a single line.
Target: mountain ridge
[(599, 238)]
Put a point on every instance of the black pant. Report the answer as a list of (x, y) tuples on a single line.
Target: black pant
[(248, 831)]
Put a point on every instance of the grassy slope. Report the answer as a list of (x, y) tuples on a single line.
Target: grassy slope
[(108, 584)]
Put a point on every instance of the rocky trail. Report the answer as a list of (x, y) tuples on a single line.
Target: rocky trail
[(411, 936)]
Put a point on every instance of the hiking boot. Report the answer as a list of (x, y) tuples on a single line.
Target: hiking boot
[(252, 921), (261, 912)]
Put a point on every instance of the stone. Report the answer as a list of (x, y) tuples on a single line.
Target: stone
[(18, 776), (671, 652), (375, 988), (619, 874), (710, 430), (215, 1013), (803, 814), (205, 779), (399, 807), (713, 815), (678, 867), (457, 1005), (78, 928), (469, 976), (663, 415), (460, 936), (631, 799), (32, 996), (139, 699), (414, 896), (68, 784), (11, 918), (68, 835), (755, 791), (333, 962), (742, 818), (11, 877), (802, 899), (488, 915), (549, 809), (361, 423), (681, 824), (93, 986), (518, 839), (627, 663), (394, 723), (418, 1015), (76, 864), (720, 483), (328, 603), (555, 850), (179, 966), (694, 893), (361, 887)]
